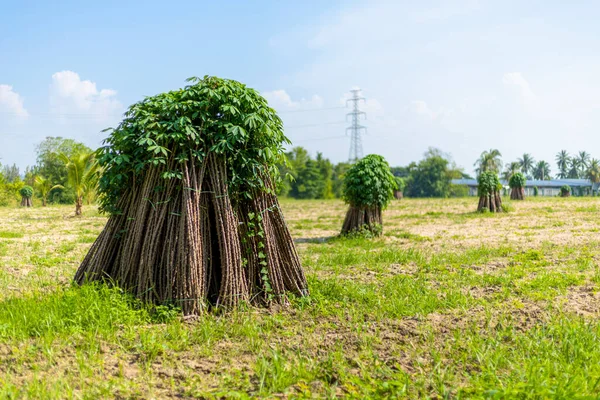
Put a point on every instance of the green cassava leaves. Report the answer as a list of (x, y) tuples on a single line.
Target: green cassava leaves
[(517, 180), (369, 182), (209, 115)]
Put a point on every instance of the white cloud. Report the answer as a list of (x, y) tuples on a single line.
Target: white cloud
[(420, 107), (11, 101), (71, 95), (423, 110), (282, 101), (516, 79)]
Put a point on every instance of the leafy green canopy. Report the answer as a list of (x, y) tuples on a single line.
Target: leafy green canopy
[(517, 180), (211, 115), (565, 189), (26, 192), (488, 183), (432, 176), (400, 183), (369, 183)]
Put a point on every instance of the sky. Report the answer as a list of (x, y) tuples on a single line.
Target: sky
[(459, 75)]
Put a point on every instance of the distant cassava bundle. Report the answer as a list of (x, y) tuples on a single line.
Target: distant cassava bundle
[(368, 188), (489, 186), (26, 193), (188, 178), (517, 186)]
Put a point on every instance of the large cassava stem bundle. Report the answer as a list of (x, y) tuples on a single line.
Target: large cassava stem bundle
[(368, 188), (185, 246), (492, 202), (517, 193), (489, 192), (26, 193), (358, 218), (26, 202), (195, 228), (516, 183)]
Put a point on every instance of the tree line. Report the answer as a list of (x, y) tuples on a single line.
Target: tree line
[(65, 173), (319, 178), (577, 166)]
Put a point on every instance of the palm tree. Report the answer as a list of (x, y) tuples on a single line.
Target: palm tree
[(593, 172), (573, 168), (526, 163), (510, 169), (81, 176), (44, 187), (584, 160), (542, 171), (562, 161), (489, 161)]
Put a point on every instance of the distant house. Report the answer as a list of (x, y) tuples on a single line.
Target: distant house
[(551, 187)]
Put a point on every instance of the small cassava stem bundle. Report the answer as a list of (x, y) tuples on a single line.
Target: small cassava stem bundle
[(26, 193), (489, 186), (368, 188), (517, 184), (188, 178), (400, 186)]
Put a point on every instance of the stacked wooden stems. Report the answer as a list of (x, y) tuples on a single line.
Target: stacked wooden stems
[(192, 243)]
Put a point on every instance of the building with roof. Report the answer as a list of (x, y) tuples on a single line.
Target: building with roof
[(579, 187)]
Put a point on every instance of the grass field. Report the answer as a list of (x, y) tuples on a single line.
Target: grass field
[(447, 304)]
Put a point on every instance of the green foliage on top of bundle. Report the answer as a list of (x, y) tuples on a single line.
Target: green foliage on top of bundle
[(400, 183), (210, 115), (488, 183), (26, 192), (369, 183), (565, 189), (517, 180)]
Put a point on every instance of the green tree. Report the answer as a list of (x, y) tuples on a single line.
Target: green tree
[(432, 176), (311, 179), (11, 173), (81, 176), (593, 171), (562, 162), (542, 171), (309, 183), (573, 168), (511, 169), (584, 160), (526, 163), (44, 187), (326, 168), (50, 165), (339, 171), (489, 160)]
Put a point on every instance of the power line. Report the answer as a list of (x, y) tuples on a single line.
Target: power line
[(96, 115), (310, 109), (312, 125), (356, 150), (319, 139)]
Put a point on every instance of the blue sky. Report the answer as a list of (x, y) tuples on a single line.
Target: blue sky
[(460, 75)]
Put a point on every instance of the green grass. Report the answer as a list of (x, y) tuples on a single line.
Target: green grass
[(448, 303), (10, 235)]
